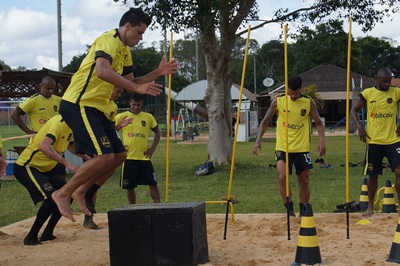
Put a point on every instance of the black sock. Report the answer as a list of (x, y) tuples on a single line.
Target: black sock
[(55, 217), (91, 191), (43, 213), (89, 197)]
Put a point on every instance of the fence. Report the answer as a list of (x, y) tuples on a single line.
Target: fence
[(6, 108)]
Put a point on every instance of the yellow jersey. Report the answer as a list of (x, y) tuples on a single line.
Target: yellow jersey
[(299, 124), (86, 89), (381, 114), (136, 134), (40, 109), (61, 134)]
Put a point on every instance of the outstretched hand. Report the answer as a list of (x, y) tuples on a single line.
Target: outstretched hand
[(166, 68), (125, 121), (151, 88)]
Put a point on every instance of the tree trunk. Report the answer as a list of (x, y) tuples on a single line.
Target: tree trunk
[(218, 103), (218, 54)]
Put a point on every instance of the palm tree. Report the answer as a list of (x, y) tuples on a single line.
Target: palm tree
[(311, 91)]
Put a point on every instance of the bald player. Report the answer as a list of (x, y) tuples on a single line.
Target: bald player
[(382, 136), (39, 108)]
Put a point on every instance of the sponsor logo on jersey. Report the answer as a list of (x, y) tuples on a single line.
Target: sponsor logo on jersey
[(381, 115), (294, 126), (136, 134)]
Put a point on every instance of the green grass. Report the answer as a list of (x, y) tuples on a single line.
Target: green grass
[(254, 185)]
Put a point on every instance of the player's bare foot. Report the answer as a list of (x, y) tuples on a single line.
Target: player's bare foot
[(80, 200), (63, 205), (368, 213)]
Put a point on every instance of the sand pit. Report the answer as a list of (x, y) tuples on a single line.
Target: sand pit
[(254, 239)]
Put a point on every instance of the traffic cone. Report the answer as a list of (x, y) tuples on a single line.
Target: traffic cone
[(363, 202), (307, 246), (389, 204), (394, 255)]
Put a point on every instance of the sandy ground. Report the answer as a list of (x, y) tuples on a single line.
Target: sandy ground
[(253, 239)]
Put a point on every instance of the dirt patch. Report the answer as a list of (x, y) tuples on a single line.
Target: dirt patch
[(253, 239)]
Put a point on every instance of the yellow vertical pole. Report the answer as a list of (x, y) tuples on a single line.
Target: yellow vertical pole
[(287, 109), (347, 128), (238, 114), (286, 126), (348, 109), (168, 124)]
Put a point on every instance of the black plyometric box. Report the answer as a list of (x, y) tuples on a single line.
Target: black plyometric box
[(158, 234)]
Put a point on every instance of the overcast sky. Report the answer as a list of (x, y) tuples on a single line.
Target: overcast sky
[(28, 31)]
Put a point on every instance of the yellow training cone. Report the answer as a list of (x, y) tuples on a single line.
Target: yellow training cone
[(394, 255), (363, 202), (389, 204), (307, 247), (363, 222)]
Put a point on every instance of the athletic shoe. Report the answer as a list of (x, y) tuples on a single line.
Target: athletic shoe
[(326, 165)]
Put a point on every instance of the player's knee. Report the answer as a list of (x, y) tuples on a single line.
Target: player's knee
[(119, 158)]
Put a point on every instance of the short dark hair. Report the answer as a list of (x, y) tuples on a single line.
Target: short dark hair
[(294, 83), (135, 16), (136, 97)]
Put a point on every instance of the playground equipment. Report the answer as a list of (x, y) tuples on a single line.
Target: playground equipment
[(332, 128), (186, 124)]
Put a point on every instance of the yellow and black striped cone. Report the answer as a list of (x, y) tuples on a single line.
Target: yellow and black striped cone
[(307, 246), (363, 202), (389, 204), (394, 255)]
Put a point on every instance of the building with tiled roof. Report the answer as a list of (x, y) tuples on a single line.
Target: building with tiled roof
[(331, 82)]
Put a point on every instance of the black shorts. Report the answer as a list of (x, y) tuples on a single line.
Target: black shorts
[(137, 172), (59, 169), (94, 134), (301, 160), (40, 185), (374, 157)]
